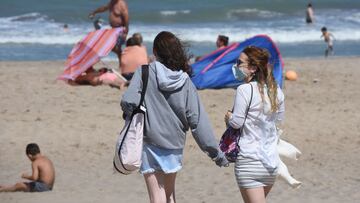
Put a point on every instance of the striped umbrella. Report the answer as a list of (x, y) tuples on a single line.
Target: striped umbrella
[(88, 51)]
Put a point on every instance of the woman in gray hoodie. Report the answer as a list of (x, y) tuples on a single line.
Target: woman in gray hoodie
[(172, 107)]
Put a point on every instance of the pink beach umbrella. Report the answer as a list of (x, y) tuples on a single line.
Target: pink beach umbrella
[(88, 51)]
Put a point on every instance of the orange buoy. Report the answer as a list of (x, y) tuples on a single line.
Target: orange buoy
[(291, 75)]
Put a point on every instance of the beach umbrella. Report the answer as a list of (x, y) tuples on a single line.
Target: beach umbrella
[(89, 51)]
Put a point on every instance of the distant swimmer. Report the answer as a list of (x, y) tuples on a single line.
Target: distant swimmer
[(66, 27), (118, 17), (222, 41), (310, 14), (328, 38)]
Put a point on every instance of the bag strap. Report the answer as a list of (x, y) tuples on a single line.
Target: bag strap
[(144, 77), (247, 111)]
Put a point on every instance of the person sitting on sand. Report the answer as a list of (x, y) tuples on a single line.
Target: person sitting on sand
[(42, 177), (133, 56)]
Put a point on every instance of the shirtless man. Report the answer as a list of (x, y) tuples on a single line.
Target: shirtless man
[(328, 38), (42, 177), (309, 14), (118, 17)]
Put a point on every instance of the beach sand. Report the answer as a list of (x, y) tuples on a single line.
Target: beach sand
[(76, 127)]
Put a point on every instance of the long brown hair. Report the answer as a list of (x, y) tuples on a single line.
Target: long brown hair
[(259, 58), (171, 52)]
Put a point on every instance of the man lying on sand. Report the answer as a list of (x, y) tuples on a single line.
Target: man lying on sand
[(42, 177)]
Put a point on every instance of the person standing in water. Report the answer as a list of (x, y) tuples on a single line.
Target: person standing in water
[(328, 38), (310, 14)]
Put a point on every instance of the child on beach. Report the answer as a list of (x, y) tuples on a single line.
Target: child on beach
[(328, 38), (42, 177), (257, 163), (172, 107)]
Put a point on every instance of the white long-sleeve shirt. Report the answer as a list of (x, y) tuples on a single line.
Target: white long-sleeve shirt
[(259, 136)]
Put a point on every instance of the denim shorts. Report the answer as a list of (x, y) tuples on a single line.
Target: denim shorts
[(155, 159)]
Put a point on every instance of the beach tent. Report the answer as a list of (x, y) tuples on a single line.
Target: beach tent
[(214, 70)]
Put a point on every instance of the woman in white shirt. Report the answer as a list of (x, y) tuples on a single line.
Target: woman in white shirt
[(257, 162)]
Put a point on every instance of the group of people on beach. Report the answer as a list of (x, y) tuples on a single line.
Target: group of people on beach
[(328, 37), (174, 107)]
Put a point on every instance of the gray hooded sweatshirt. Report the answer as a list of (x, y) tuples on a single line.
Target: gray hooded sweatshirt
[(172, 107)]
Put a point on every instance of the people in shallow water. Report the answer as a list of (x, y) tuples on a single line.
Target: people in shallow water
[(328, 38), (309, 14)]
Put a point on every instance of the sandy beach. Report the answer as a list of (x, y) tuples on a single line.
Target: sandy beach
[(76, 127)]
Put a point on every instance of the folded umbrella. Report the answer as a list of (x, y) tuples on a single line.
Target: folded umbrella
[(89, 51)]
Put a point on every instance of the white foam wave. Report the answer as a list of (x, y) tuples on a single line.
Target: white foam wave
[(45, 31), (193, 34), (37, 17), (174, 12), (240, 13), (353, 18), (239, 34)]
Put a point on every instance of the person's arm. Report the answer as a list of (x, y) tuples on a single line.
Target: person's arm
[(99, 10), (280, 113), (236, 119), (131, 98), (125, 13), (35, 173), (201, 129), (332, 36)]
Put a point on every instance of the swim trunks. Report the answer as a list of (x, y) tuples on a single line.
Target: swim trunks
[(37, 186)]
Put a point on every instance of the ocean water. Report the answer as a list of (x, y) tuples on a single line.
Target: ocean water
[(33, 29)]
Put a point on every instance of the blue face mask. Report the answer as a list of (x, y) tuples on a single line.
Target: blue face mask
[(238, 73)]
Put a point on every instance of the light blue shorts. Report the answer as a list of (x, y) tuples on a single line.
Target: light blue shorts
[(160, 159)]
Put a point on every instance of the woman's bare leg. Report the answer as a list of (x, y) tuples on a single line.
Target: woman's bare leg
[(253, 195), (267, 190), (169, 184), (155, 187)]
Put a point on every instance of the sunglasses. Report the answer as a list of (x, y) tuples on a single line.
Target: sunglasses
[(239, 62)]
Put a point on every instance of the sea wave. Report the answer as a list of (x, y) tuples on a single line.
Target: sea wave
[(34, 17), (174, 12), (194, 34), (355, 17), (38, 28), (251, 13)]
